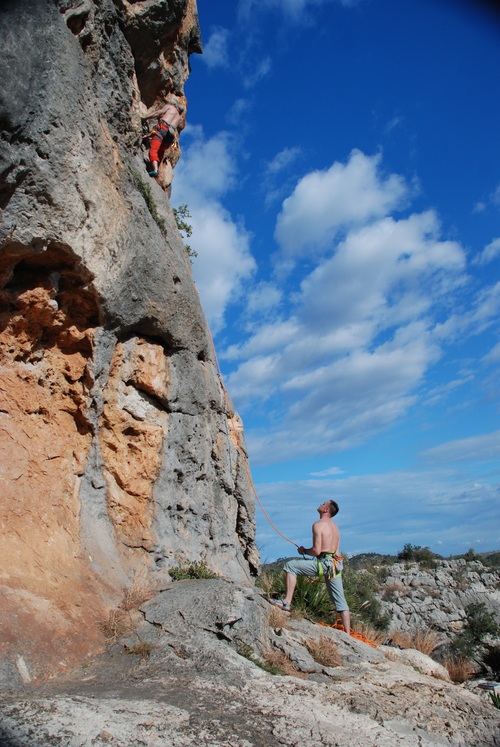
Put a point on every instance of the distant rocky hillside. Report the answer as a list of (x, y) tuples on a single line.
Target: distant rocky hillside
[(437, 597)]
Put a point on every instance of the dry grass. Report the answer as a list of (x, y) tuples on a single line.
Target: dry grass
[(119, 621), (142, 649), (140, 591), (324, 651), (277, 662), (277, 618), (425, 640), (459, 669), (116, 624)]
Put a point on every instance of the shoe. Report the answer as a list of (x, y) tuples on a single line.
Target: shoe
[(281, 604), (153, 173)]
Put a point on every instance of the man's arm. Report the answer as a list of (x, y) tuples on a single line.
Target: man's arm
[(315, 550), (156, 112)]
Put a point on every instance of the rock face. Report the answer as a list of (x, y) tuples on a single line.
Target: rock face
[(118, 453)]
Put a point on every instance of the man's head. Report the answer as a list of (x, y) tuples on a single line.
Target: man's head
[(329, 506)]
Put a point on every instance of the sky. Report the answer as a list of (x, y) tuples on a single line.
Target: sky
[(341, 165)]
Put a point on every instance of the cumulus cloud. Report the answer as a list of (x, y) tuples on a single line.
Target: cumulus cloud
[(328, 201), (215, 52), (346, 351), (206, 171)]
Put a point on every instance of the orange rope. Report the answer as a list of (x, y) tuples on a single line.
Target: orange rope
[(243, 456), (358, 636)]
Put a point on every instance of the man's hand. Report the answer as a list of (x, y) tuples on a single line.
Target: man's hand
[(301, 550)]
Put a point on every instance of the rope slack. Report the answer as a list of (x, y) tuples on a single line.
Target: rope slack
[(242, 454)]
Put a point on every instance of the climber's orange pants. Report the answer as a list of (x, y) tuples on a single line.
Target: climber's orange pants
[(159, 144)]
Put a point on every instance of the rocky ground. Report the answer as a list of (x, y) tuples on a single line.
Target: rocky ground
[(199, 685)]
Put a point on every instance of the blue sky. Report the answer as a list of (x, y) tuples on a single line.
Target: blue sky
[(341, 164)]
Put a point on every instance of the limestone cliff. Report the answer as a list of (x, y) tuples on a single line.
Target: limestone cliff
[(116, 448)]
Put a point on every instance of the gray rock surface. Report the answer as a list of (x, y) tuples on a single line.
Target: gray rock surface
[(198, 686), (418, 598)]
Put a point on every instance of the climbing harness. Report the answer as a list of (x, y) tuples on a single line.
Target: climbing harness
[(328, 565), (163, 131)]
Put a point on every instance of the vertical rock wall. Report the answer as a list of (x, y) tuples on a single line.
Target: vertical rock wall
[(117, 449)]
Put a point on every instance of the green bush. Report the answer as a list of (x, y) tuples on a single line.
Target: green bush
[(495, 699), (192, 571), (311, 597), (360, 588), (417, 554), (479, 623)]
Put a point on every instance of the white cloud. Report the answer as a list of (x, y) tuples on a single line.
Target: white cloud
[(264, 298), (206, 171), (293, 10), (223, 263), (344, 355), (325, 202), (330, 472), (489, 253), (282, 160), (494, 354), (215, 53), (208, 167), (258, 71), (484, 447), (239, 111), (482, 313)]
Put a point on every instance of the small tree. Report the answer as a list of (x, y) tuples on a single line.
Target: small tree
[(479, 623), (180, 215), (418, 554)]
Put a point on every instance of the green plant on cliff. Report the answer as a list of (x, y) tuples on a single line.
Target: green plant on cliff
[(495, 699), (147, 193), (180, 215), (192, 571)]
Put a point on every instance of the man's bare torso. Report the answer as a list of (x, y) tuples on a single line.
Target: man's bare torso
[(328, 535)]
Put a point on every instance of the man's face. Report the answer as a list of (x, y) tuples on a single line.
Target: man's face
[(324, 507)]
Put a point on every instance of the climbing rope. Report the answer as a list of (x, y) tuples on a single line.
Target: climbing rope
[(243, 456), (337, 625)]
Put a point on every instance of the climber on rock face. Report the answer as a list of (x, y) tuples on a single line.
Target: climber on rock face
[(170, 116)]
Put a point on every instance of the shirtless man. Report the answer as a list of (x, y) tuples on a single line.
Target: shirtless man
[(169, 118), (328, 563)]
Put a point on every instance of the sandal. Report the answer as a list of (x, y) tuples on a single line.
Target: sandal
[(281, 604)]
